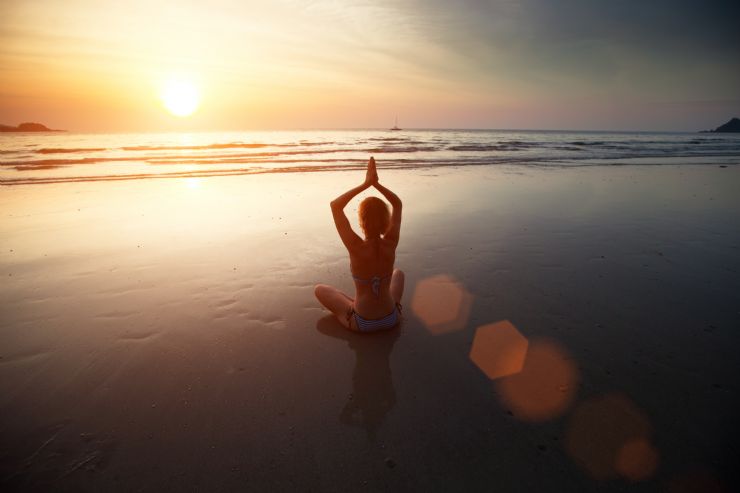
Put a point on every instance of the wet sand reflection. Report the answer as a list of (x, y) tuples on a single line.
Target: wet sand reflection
[(373, 394), (609, 436), (699, 479)]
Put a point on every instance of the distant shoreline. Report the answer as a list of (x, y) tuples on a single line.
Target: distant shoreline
[(729, 127), (28, 127), (8, 129)]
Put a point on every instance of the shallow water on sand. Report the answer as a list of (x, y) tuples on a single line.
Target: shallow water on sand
[(161, 334)]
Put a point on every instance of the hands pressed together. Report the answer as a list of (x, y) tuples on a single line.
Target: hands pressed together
[(371, 178)]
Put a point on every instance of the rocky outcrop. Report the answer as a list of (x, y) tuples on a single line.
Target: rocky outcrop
[(732, 126), (28, 127)]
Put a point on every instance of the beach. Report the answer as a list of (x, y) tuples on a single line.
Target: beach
[(565, 329)]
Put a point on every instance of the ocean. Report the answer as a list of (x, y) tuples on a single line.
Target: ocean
[(43, 158)]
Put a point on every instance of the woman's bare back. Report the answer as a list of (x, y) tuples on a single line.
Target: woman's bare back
[(378, 286), (371, 264)]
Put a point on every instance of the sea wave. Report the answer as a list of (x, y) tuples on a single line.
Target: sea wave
[(26, 160), (230, 145), (384, 150), (64, 150), (483, 147)]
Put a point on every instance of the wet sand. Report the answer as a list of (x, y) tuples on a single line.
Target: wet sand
[(565, 330)]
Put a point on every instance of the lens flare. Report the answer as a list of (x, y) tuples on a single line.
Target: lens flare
[(442, 304)]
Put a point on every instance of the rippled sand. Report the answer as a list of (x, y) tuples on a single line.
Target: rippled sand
[(565, 330)]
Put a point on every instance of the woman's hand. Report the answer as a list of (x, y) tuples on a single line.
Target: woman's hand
[(371, 177)]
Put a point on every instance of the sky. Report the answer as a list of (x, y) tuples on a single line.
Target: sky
[(97, 65)]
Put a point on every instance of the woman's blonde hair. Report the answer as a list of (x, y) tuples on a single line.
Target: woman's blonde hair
[(374, 216)]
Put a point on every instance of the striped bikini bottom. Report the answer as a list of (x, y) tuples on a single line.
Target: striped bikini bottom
[(368, 325)]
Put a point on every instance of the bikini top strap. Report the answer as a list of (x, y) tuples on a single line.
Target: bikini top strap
[(373, 281), (376, 286)]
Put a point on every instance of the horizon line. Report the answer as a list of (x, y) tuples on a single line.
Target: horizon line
[(374, 129)]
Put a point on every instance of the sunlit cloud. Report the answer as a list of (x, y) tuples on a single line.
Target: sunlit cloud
[(530, 64)]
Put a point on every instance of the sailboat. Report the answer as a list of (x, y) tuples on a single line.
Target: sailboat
[(395, 127)]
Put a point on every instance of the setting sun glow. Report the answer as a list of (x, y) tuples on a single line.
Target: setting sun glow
[(180, 97)]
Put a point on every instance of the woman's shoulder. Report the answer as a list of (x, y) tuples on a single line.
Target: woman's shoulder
[(373, 249), (372, 245)]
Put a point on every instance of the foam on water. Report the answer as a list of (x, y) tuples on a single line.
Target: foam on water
[(35, 158)]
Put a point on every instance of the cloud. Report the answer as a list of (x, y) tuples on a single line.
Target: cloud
[(587, 42), (465, 63)]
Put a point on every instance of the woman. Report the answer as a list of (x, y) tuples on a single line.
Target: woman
[(378, 287)]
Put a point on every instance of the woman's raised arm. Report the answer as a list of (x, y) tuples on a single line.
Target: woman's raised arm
[(394, 228), (348, 236)]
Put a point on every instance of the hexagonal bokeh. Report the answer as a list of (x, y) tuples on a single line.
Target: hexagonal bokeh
[(610, 437), (499, 349), (545, 386), (442, 304)]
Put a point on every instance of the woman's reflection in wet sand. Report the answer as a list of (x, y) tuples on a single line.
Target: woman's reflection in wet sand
[(373, 394)]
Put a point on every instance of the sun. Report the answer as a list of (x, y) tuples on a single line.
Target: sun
[(180, 97)]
